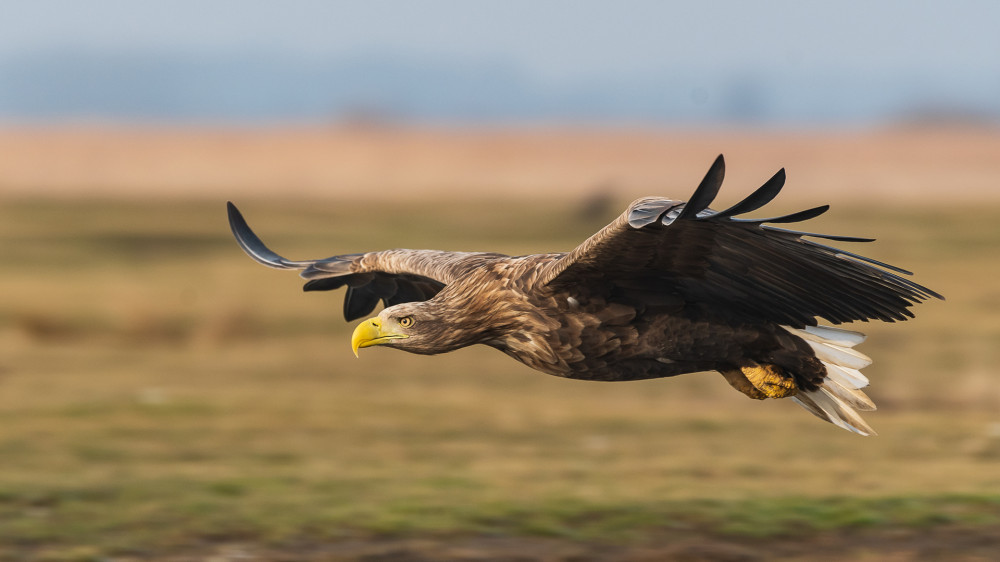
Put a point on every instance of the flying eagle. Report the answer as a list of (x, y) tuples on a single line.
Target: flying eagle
[(669, 287)]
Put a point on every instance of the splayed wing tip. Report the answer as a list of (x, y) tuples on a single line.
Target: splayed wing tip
[(707, 190), (800, 233), (760, 197), (253, 245), (791, 217)]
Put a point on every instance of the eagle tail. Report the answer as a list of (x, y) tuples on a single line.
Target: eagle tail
[(839, 398)]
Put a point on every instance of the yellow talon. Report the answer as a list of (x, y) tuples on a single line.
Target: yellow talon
[(770, 380), (739, 381)]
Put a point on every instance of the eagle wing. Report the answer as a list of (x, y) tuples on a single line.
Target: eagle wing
[(660, 247), (392, 276)]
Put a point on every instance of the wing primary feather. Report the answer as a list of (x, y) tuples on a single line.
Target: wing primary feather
[(253, 246), (793, 217), (859, 257), (836, 237), (760, 197), (895, 280), (836, 293), (358, 302), (862, 271), (347, 302), (915, 291), (325, 284), (707, 190)]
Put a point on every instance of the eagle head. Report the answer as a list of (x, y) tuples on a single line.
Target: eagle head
[(417, 327)]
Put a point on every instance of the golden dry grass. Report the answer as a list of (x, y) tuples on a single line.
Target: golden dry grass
[(159, 390)]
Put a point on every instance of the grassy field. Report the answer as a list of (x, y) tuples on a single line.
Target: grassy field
[(163, 397)]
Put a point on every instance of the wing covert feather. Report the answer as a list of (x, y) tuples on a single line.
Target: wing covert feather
[(392, 276)]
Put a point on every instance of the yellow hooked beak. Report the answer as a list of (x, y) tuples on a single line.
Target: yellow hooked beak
[(369, 333)]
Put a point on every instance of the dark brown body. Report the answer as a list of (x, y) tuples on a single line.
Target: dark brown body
[(618, 335)]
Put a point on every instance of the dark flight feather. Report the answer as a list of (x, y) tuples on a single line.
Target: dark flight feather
[(793, 217), (359, 302), (798, 233), (762, 196), (253, 245), (707, 190)]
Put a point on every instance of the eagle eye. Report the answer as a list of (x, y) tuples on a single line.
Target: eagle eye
[(406, 321)]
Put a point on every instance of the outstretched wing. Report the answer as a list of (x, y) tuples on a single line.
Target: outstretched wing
[(660, 247), (392, 276)]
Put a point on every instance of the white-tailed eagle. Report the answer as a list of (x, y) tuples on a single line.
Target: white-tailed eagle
[(669, 287)]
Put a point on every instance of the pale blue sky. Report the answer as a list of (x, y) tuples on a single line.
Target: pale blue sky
[(555, 38), (551, 42)]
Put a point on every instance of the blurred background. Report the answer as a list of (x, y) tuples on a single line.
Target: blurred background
[(644, 64), (163, 397)]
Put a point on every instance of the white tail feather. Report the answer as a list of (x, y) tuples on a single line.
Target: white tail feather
[(842, 356), (836, 336), (845, 376), (850, 396), (839, 398), (828, 407)]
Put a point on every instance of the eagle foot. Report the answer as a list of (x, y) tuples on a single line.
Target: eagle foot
[(738, 380), (770, 380)]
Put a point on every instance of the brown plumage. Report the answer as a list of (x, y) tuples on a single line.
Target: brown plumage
[(669, 287)]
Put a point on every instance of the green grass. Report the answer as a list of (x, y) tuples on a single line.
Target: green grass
[(159, 390), (169, 512)]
